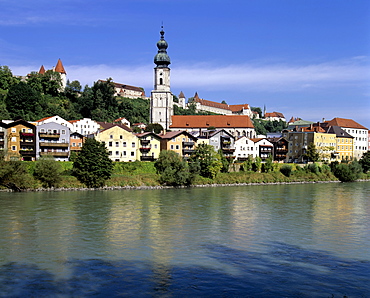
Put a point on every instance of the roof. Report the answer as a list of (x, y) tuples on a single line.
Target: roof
[(312, 128), (340, 133), (274, 114), (43, 119), (144, 134), (237, 108), (181, 95), (73, 121), (127, 87), (210, 103), (348, 123), (217, 121), (59, 67), (106, 125), (42, 70), (173, 134)]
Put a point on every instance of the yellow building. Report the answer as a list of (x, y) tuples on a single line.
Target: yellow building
[(325, 144), (180, 141), (344, 149), (120, 142), (149, 146)]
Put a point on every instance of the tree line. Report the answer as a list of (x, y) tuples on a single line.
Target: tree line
[(41, 95)]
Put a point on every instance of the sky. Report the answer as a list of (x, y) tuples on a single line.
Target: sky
[(307, 59)]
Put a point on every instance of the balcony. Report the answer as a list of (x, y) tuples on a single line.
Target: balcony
[(26, 143), (26, 134), (54, 145), (144, 142), (147, 158), (228, 150), (145, 149), (188, 144), (27, 152), (187, 151), (56, 154), (49, 135)]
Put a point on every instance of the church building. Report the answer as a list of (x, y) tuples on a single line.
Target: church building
[(161, 99)]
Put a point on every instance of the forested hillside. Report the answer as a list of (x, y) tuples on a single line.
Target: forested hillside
[(39, 96)]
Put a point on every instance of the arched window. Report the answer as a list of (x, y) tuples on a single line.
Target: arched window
[(160, 81)]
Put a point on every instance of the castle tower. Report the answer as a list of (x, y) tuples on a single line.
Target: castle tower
[(63, 74), (161, 99)]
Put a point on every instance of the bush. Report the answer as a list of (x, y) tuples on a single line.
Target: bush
[(313, 168), (286, 170), (347, 172), (48, 171)]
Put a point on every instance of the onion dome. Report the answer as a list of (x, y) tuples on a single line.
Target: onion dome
[(162, 59)]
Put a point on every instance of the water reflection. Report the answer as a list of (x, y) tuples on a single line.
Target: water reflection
[(195, 241)]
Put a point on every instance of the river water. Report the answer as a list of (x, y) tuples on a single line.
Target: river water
[(306, 240)]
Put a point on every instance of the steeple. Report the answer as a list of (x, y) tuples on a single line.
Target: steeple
[(162, 59), (60, 68)]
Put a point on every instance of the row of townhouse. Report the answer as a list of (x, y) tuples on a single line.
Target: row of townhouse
[(24, 140), (335, 140)]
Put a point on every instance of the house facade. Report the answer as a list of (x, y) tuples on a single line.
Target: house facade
[(54, 141), (84, 126), (181, 142), (149, 146), (55, 119), (245, 147), (264, 148), (356, 130), (19, 140), (76, 141), (121, 143), (280, 148)]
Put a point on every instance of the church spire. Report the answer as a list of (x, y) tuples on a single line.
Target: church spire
[(162, 59)]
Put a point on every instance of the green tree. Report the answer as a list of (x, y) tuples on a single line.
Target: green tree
[(156, 127), (365, 161), (257, 164), (6, 78), (134, 110), (247, 165), (48, 171), (224, 161), (311, 153), (347, 172), (286, 170), (22, 101), (14, 175), (172, 169), (206, 161), (268, 165), (93, 165)]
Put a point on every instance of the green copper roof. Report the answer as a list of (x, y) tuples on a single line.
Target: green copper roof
[(162, 59)]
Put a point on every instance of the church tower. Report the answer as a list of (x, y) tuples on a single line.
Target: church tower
[(161, 100)]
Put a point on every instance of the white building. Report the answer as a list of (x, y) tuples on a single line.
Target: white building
[(245, 147), (84, 126), (56, 119)]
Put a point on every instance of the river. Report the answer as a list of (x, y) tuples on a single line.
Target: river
[(306, 240)]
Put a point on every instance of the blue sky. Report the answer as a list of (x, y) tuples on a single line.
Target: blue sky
[(307, 59)]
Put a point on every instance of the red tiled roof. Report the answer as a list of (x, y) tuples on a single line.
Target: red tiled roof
[(217, 121), (313, 129), (73, 121), (210, 103), (274, 114), (342, 122), (44, 119), (237, 108), (175, 133), (42, 70), (60, 68), (128, 87)]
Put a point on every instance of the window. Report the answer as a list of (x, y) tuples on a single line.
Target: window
[(133, 144), (110, 144), (132, 153), (110, 152), (124, 153), (177, 147), (74, 144), (124, 144), (63, 132), (121, 137), (14, 148), (155, 146), (111, 136), (171, 147), (117, 144), (14, 139), (117, 153), (23, 130), (42, 130), (14, 129), (63, 140)]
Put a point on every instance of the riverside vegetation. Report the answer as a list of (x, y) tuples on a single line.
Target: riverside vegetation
[(206, 167)]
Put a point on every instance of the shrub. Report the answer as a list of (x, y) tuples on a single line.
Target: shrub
[(313, 168), (347, 172), (286, 170), (48, 171)]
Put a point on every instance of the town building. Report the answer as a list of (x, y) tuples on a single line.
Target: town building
[(119, 140), (245, 147), (180, 141), (274, 116), (84, 126), (56, 119), (280, 148), (220, 140), (236, 125), (263, 147), (76, 142), (61, 70), (127, 91), (358, 131), (161, 100), (53, 141), (18, 140), (149, 146), (344, 149)]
